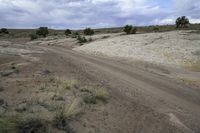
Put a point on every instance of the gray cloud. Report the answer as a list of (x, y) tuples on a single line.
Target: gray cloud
[(93, 13)]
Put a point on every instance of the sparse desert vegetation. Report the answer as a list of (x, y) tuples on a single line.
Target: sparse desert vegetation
[(93, 95), (68, 32), (4, 31), (129, 29), (54, 84), (49, 98), (182, 22), (42, 31), (33, 36), (88, 31), (81, 39)]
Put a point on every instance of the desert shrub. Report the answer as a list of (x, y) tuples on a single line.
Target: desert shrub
[(4, 30), (156, 29), (129, 29), (182, 22), (33, 36), (75, 35), (81, 39), (32, 125), (134, 30), (18, 125), (92, 95), (89, 99), (88, 31), (42, 31), (61, 121), (67, 32)]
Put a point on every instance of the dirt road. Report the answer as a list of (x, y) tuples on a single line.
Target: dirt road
[(140, 101)]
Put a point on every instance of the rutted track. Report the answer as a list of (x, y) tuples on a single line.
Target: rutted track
[(154, 91)]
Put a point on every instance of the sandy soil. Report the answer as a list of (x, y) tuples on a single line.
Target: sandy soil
[(143, 97)]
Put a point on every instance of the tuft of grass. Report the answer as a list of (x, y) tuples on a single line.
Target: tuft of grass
[(190, 81), (18, 125), (192, 66), (195, 68), (61, 121), (93, 95), (66, 84), (42, 87), (101, 95), (65, 115), (89, 99), (7, 124)]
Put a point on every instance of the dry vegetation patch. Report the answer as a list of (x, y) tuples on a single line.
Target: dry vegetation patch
[(54, 104)]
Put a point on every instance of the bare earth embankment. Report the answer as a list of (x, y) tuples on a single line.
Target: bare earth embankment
[(176, 49), (134, 85)]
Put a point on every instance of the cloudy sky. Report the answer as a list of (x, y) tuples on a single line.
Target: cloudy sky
[(77, 14)]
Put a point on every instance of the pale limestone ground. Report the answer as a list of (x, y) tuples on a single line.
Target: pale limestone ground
[(176, 48)]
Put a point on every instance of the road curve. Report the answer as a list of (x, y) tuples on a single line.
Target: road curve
[(166, 96)]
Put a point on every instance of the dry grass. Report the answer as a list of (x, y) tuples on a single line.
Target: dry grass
[(93, 95), (65, 115), (22, 125), (191, 81), (195, 67), (43, 111)]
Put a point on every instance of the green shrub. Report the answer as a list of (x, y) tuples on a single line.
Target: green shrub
[(182, 22), (129, 29), (75, 35), (33, 36), (81, 39), (88, 31), (134, 30), (42, 31), (68, 32), (156, 29), (4, 30)]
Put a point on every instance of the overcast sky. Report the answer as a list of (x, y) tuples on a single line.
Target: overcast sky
[(77, 14)]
